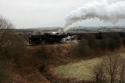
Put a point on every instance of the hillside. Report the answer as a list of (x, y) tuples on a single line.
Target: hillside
[(31, 72), (83, 69), (62, 65)]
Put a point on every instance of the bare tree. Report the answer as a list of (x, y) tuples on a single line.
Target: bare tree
[(99, 73), (12, 48), (4, 25), (12, 45), (122, 72), (4, 44), (112, 65), (110, 70)]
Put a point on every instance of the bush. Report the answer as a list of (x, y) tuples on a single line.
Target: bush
[(83, 48), (42, 54), (4, 73)]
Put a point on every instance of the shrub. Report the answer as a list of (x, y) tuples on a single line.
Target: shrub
[(4, 73), (83, 48)]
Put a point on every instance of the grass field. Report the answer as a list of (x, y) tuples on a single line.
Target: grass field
[(82, 70)]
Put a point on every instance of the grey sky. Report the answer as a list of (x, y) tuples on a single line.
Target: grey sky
[(42, 13)]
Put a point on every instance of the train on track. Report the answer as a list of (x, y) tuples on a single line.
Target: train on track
[(51, 38), (54, 37)]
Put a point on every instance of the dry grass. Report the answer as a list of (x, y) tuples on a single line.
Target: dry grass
[(82, 70)]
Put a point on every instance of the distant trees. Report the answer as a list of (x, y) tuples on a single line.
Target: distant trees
[(103, 42), (111, 41)]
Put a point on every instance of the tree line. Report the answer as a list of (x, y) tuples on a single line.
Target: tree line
[(107, 41)]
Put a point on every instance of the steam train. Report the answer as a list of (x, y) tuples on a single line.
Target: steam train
[(50, 38)]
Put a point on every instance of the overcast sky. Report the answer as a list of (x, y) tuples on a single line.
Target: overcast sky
[(44, 13)]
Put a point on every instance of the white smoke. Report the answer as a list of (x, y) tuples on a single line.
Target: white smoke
[(105, 10)]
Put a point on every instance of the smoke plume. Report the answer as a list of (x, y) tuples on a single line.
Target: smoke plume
[(105, 10)]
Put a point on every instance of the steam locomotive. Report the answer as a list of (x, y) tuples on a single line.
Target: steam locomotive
[(55, 37), (50, 38)]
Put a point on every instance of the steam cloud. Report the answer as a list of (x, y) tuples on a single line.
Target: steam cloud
[(105, 10)]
